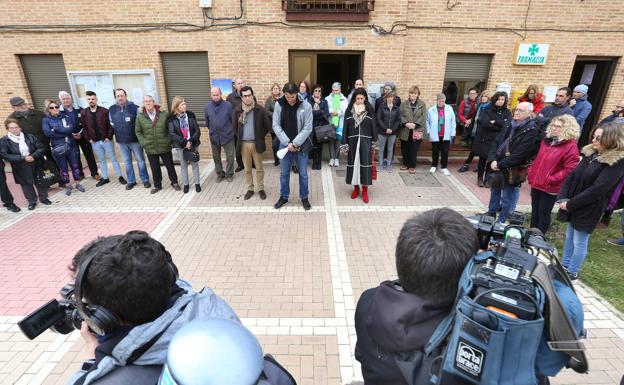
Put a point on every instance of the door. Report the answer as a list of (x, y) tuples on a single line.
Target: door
[(596, 73), (326, 67), (302, 67)]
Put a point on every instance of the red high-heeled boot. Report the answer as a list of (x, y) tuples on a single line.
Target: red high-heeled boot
[(356, 192), (365, 194)]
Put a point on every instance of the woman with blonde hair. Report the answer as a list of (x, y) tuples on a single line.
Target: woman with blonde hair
[(558, 155), (586, 191), (184, 133)]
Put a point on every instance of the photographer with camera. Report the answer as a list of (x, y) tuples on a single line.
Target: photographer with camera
[(128, 303), (418, 329)]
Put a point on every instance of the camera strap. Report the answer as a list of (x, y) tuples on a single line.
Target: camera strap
[(561, 333)]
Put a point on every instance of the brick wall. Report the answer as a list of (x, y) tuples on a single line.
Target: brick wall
[(259, 54)]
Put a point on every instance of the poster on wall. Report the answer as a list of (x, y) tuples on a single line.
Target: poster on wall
[(224, 84)]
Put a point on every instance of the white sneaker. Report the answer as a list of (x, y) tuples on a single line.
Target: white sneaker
[(331, 163), (336, 162), (432, 170), (446, 172)]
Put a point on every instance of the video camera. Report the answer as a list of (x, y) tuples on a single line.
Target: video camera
[(60, 316), (504, 283)]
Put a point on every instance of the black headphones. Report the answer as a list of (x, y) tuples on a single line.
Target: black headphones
[(101, 320)]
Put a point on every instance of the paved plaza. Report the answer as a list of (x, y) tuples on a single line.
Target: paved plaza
[(293, 277)]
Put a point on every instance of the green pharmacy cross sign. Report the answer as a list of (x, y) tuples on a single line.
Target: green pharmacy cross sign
[(531, 54)]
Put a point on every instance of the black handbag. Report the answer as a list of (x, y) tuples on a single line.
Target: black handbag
[(496, 180), (46, 174), (325, 133), (190, 156), (61, 151)]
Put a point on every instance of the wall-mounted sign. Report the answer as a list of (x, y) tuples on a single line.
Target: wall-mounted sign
[(531, 54), (341, 41)]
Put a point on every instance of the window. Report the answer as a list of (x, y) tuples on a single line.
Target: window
[(137, 84), (186, 74), (464, 71), (328, 10), (45, 77)]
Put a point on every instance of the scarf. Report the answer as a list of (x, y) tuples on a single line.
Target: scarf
[(358, 112), (317, 104), (502, 148), (184, 126), (335, 107), (21, 141), (242, 119)]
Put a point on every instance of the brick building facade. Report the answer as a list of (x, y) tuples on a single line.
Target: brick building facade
[(257, 45)]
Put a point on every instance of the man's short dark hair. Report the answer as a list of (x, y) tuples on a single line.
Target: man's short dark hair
[(246, 88), (566, 89), (473, 89), (129, 275), (90, 93), (119, 89), (431, 253), (290, 88)]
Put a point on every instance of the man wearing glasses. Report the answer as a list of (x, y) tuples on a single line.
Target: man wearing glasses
[(251, 124), (511, 152)]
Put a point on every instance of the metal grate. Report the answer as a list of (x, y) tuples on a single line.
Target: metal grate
[(329, 6), (420, 180)]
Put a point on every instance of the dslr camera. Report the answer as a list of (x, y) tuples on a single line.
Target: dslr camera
[(60, 316)]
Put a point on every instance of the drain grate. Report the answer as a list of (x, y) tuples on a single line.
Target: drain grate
[(419, 180)]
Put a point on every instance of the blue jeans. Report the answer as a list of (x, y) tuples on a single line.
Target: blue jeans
[(71, 157), (301, 160), (574, 249), (105, 150), (504, 200), (127, 149)]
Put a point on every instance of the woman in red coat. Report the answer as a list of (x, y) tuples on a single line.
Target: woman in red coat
[(558, 155), (533, 96)]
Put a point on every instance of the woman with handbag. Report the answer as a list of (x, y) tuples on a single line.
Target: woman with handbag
[(360, 131), (558, 155), (413, 123), (586, 191), (184, 133), (337, 105), (25, 153), (60, 130), (320, 118)]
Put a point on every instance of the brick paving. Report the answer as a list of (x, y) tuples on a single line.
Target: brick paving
[(292, 276)]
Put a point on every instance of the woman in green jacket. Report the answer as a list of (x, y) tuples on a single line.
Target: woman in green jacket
[(151, 129)]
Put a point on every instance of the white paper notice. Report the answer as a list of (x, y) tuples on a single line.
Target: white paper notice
[(549, 93), (588, 73)]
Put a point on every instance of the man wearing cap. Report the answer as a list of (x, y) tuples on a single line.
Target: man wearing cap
[(579, 104), (73, 114), (31, 121), (559, 107)]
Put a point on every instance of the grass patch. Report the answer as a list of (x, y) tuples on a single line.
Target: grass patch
[(603, 269)]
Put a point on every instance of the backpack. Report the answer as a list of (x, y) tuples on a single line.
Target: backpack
[(274, 373), (492, 335)]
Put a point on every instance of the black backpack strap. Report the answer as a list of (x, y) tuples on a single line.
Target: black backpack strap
[(561, 333)]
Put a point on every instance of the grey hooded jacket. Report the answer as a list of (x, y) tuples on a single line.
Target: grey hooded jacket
[(189, 306)]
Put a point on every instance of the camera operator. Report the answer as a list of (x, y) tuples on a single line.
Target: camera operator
[(396, 320), (134, 301)]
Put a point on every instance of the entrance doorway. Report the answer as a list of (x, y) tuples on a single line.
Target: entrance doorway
[(326, 67), (595, 72)]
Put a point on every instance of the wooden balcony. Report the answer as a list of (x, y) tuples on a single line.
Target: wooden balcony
[(328, 10)]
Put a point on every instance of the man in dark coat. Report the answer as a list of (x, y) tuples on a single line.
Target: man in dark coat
[(5, 193), (218, 113), (31, 121), (251, 124), (235, 100), (559, 107), (400, 316), (511, 151)]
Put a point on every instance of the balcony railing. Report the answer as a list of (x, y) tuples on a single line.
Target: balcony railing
[(328, 10)]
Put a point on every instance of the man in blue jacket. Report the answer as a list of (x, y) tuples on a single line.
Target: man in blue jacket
[(559, 107), (218, 114), (579, 104), (122, 116)]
